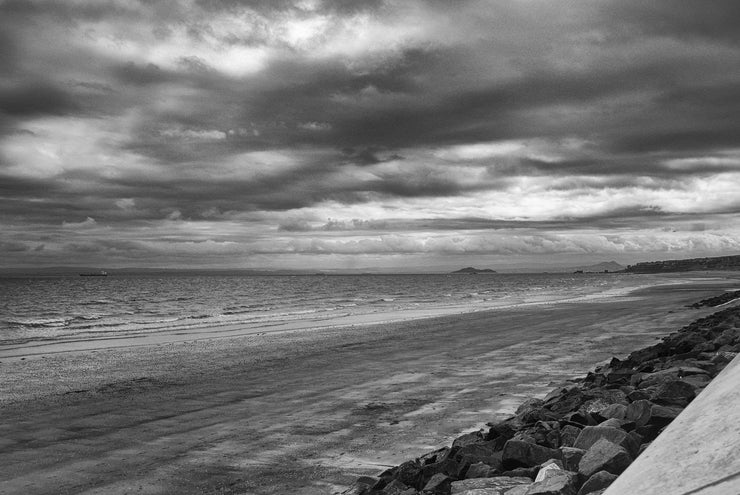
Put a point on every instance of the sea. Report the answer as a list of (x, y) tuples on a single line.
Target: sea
[(70, 307)]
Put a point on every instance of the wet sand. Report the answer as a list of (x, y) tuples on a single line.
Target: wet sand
[(304, 411)]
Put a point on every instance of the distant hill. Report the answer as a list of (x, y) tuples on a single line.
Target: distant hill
[(606, 266), (687, 265), (471, 270)]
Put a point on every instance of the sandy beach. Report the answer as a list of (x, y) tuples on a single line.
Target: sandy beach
[(301, 411)]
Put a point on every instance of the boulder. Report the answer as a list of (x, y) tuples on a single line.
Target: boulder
[(503, 431), (522, 472), (595, 405), (616, 411), (580, 417), (468, 439), (604, 455), (620, 376), (528, 405), (568, 435), (567, 400), (663, 415), (638, 395), (622, 424), (571, 457), (669, 374), (562, 483), (597, 481), (361, 486), (500, 483), (408, 473), (591, 434), (698, 381), (547, 469), (439, 484), (479, 452), (395, 487), (517, 490), (609, 395), (447, 467), (730, 336), (522, 454), (639, 412), (673, 393), (480, 470)]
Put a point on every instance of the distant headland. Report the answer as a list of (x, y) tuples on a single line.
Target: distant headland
[(687, 265), (474, 271)]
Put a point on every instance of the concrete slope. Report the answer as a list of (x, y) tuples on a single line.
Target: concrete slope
[(699, 452)]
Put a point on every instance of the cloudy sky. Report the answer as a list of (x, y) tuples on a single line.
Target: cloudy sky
[(399, 134)]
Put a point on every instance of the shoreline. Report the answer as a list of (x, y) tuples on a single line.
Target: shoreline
[(303, 411), (37, 348)]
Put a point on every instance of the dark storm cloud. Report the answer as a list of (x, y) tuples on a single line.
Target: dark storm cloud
[(132, 73), (340, 6), (680, 18), (35, 99), (133, 114)]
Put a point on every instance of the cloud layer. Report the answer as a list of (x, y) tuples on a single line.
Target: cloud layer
[(367, 133)]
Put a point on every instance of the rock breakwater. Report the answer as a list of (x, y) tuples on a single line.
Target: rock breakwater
[(584, 433)]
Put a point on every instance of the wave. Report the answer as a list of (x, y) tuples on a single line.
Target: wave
[(40, 322), (97, 302)]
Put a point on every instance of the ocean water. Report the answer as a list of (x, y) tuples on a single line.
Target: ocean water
[(64, 308)]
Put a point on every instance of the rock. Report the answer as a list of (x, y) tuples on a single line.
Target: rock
[(673, 393), (517, 490), (447, 467), (579, 417), (562, 483), (604, 455), (361, 486), (698, 381), (409, 473), (591, 434), (468, 439), (638, 395), (434, 456), (649, 432), (395, 487), (547, 433), (639, 412), (522, 454), (521, 472), (568, 435), (439, 484), (730, 336), (622, 424), (528, 405), (663, 415), (480, 470), (721, 358), (595, 405), (479, 452), (670, 374), (503, 431), (616, 411), (597, 481), (571, 457), (568, 400), (500, 483), (610, 396), (546, 470), (619, 377)]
